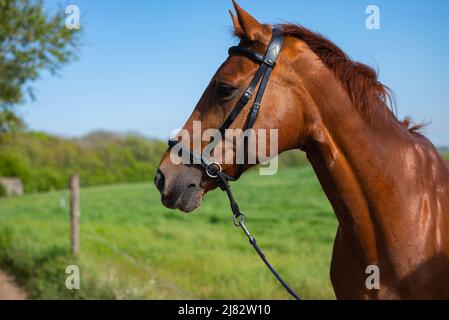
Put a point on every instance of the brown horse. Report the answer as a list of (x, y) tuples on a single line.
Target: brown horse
[(386, 182)]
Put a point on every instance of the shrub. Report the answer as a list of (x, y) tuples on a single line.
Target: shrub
[(45, 162), (13, 164)]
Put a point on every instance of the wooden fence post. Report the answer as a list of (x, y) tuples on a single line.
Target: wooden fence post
[(74, 213)]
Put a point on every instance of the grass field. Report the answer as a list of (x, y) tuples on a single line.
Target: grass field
[(132, 247)]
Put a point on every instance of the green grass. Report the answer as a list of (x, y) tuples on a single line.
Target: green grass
[(132, 247)]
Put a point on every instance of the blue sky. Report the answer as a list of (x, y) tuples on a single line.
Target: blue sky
[(144, 64)]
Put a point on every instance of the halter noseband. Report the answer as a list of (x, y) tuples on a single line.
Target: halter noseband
[(213, 169)]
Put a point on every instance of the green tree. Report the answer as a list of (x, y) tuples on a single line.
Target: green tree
[(9, 121), (31, 40)]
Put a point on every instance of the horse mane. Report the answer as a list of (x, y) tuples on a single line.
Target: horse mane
[(360, 81)]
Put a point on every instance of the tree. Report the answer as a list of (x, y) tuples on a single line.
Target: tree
[(9, 122), (31, 40)]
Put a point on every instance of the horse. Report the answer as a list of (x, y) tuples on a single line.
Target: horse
[(386, 182)]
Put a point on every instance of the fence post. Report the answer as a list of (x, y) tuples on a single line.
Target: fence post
[(74, 213)]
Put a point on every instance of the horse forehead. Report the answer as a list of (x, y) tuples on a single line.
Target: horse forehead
[(236, 66)]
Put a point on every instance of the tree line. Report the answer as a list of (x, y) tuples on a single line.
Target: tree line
[(45, 162)]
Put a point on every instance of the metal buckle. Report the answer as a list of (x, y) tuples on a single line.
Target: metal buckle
[(238, 221), (245, 97), (270, 63), (210, 173)]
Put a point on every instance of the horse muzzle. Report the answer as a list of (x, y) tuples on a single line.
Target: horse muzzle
[(179, 187)]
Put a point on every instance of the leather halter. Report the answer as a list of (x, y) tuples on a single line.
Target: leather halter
[(267, 63), (213, 169)]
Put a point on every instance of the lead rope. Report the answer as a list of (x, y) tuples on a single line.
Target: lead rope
[(239, 221)]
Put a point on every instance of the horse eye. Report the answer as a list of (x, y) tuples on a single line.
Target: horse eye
[(225, 90)]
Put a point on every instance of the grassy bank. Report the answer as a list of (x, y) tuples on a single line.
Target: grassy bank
[(132, 247)]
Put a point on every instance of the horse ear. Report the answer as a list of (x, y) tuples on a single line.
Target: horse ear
[(238, 31), (250, 27)]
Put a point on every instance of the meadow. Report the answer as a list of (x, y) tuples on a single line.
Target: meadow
[(132, 247)]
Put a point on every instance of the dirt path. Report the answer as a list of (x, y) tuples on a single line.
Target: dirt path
[(9, 290)]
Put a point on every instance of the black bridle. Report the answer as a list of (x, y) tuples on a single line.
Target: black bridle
[(213, 169)]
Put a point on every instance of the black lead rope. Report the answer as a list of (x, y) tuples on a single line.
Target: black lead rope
[(239, 220)]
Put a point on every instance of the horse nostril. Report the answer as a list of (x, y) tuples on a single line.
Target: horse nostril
[(159, 180)]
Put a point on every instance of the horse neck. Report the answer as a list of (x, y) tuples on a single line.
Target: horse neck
[(349, 154)]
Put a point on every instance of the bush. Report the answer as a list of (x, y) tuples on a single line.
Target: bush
[(45, 162), (13, 164)]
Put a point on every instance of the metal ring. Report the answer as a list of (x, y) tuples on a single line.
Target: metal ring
[(209, 173), (238, 220)]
